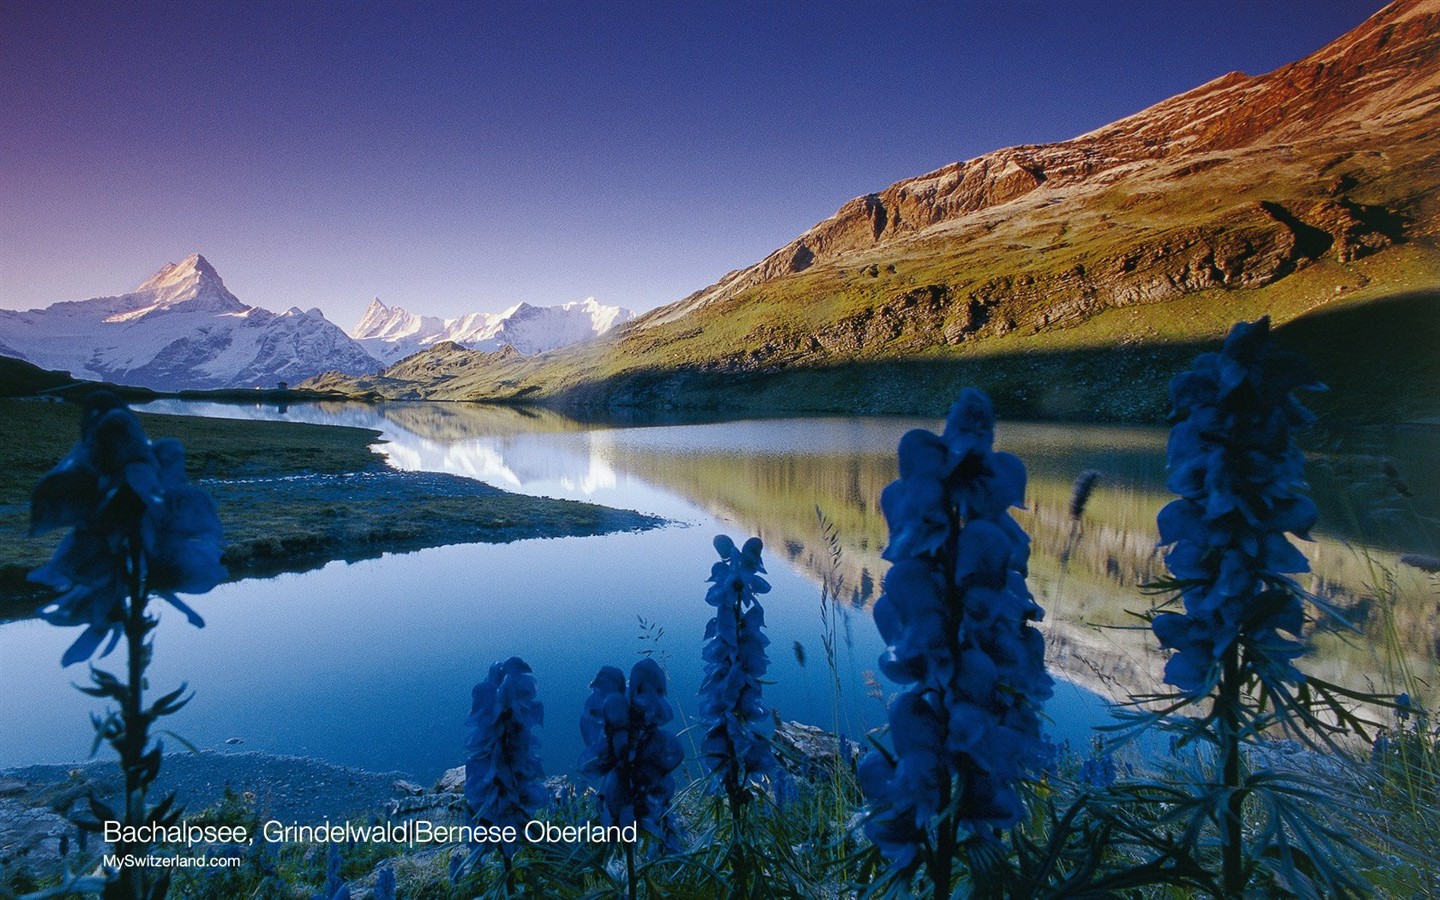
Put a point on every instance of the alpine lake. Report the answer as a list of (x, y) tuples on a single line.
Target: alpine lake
[(370, 663)]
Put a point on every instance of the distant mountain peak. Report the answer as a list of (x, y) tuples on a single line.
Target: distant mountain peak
[(182, 328), (381, 322), (393, 333), (193, 267), (193, 280)]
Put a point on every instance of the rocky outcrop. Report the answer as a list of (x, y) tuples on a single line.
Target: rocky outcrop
[(1256, 246), (811, 752), (31, 837)]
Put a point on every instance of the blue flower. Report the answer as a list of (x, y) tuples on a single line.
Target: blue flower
[(1098, 771), (126, 502), (956, 618), (503, 775), (1403, 707), (1240, 478), (628, 751), (737, 721), (905, 790), (384, 885), (335, 887)]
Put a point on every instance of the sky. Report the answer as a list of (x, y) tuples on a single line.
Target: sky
[(463, 157)]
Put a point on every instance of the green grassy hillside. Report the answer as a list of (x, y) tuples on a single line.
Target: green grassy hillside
[(1069, 279)]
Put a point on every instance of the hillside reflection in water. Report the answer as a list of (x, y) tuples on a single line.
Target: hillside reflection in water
[(771, 476), (570, 605)]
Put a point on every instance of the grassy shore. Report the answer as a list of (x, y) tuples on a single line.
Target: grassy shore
[(291, 496)]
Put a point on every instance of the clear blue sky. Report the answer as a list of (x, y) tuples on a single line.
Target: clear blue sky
[(453, 157)]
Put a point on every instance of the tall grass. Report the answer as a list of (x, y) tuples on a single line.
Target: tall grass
[(842, 791)]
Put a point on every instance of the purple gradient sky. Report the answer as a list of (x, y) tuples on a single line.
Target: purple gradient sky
[(461, 157)]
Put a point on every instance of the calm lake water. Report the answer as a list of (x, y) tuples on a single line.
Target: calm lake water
[(371, 663)]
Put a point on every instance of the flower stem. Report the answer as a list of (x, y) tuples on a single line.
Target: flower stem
[(942, 862), (1231, 836), (739, 856), (630, 870), (134, 733)]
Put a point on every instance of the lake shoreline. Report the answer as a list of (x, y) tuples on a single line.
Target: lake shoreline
[(389, 511), (292, 497), (39, 803)]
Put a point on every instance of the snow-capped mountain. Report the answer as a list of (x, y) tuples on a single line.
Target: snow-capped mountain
[(393, 333), (382, 323), (181, 329)]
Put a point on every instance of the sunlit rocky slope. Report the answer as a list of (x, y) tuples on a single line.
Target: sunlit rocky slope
[(1066, 277)]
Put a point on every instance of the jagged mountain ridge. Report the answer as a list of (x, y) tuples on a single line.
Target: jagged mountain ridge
[(1315, 185), (181, 329), (383, 323), (393, 333)]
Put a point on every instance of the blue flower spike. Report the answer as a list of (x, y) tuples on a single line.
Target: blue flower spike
[(504, 780), (1240, 477), (628, 752), (957, 620), (737, 721), (126, 499)]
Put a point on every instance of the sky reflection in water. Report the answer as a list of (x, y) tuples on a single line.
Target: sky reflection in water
[(371, 663)]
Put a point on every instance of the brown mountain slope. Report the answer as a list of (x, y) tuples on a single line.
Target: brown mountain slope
[(1383, 75), (1067, 277)]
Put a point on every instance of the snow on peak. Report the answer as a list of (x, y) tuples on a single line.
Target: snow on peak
[(192, 267), (392, 333), (372, 322), (602, 317), (191, 274), (193, 282), (181, 329), (381, 322)]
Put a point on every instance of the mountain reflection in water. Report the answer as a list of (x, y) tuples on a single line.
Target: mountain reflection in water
[(777, 478)]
